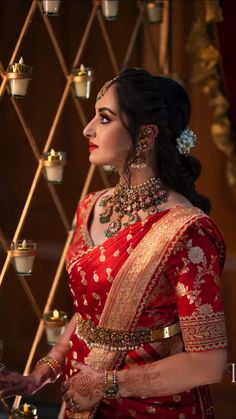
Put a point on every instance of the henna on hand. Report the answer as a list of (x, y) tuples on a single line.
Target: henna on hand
[(84, 390), (86, 386), (144, 381)]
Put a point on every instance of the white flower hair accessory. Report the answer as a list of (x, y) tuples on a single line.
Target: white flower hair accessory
[(186, 141)]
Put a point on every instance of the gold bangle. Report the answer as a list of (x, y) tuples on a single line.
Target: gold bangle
[(53, 364), (111, 390)]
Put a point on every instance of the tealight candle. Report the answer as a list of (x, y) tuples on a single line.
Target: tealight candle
[(54, 322), (24, 252), (51, 7), (109, 9), (24, 411), (19, 75), (82, 79), (155, 11), (54, 163)]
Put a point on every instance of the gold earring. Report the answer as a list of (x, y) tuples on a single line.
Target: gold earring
[(144, 145)]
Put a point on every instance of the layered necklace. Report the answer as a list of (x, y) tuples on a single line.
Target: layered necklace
[(128, 200)]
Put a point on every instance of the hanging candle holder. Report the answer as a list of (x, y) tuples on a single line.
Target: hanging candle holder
[(109, 9), (27, 411), (19, 75), (24, 252), (51, 7), (154, 10), (54, 323), (54, 162), (82, 79)]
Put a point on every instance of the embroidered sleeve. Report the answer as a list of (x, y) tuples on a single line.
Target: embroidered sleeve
[(194, 271)]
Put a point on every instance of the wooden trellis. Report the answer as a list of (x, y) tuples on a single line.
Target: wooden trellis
[(160, 56)]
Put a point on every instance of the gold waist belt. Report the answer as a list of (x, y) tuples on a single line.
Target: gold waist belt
[(114, 340)]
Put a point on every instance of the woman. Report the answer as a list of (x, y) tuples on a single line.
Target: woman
[(148, 334)]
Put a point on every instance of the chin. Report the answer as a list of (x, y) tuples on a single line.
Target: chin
[(99, 162)]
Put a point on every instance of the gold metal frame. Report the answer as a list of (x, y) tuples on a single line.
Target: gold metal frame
[(161, 61)]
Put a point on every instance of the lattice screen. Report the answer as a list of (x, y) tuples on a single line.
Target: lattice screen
[(112, 58)]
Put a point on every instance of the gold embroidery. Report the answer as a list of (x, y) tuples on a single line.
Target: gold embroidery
[(202, 331), (132, 287)]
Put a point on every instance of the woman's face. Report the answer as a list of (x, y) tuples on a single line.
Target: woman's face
[(109, 140)]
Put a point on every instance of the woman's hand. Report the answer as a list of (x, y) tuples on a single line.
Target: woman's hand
[(85, 389), (13, 383)]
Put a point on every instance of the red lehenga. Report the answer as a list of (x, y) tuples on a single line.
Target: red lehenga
[(180, 282)]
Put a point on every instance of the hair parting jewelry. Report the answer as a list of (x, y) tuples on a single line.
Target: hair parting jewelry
[(54, 365), (105, 88)]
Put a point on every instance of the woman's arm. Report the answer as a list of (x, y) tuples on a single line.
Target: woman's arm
[(12, 383), (177, 373), (171, 375)]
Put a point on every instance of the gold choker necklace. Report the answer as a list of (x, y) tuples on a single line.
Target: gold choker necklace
[(128, 200)]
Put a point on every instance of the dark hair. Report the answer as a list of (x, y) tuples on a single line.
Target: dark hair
[(162, 101)]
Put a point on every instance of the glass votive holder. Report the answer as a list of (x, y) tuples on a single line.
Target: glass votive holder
[(109, 9), (155, 11), (54, 322), (24, 252), (82, 79), (24, 411), (54, 162), (51, 7), (19, 75)]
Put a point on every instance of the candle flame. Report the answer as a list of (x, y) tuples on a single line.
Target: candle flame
[(82, 67), (55, 314), (52, 152), (21, 61), (26, 408), (24, 244)]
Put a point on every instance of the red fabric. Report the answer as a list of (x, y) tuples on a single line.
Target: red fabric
[(189, 287)]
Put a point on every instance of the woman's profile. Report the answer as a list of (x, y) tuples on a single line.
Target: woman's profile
[(148, 334)]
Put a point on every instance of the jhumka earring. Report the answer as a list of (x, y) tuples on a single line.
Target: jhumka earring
[(145, 143)]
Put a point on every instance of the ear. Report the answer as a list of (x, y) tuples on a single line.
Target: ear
[(149, 130)]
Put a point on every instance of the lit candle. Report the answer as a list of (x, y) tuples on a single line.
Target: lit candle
[(24, 411), (19, 75), (155, 11), (82, 79), (109, 9), (54, 322), (51, 7), (24, 252), (54, 163)]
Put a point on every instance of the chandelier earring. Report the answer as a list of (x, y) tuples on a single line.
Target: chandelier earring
[(145, 144)]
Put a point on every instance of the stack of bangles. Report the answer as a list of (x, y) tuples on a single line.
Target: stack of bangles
[(111, 389), (54, 366)]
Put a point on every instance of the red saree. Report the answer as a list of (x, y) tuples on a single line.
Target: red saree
[(184, 286)]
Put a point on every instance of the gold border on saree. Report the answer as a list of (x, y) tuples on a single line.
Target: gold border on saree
[(114, 340)]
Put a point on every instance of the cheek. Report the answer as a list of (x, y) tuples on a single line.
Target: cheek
[(117, 141)]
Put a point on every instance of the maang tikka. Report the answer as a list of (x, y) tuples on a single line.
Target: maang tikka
[(145, 143)]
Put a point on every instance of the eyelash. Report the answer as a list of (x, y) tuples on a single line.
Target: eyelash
[(102, 117)]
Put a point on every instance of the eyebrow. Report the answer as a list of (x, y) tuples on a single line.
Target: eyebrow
[(107, 109)]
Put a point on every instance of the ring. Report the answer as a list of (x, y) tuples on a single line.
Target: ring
[(70, 403)]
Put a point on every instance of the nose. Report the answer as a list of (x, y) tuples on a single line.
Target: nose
[(89, 130)]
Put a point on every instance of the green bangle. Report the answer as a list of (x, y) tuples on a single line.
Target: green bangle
[(111, 390)]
